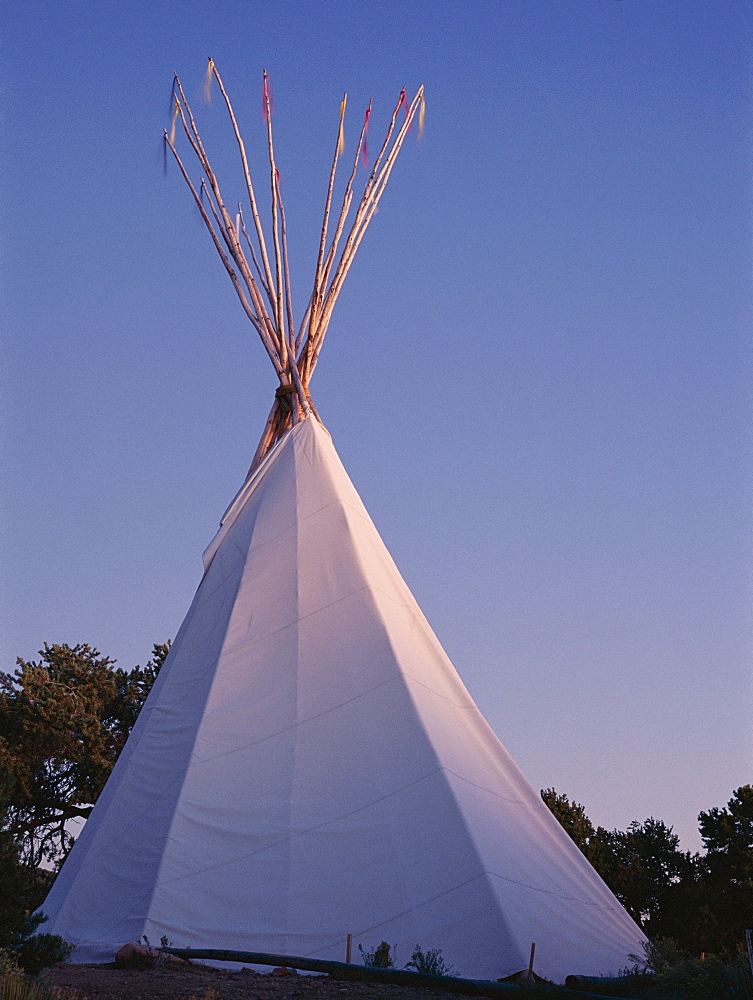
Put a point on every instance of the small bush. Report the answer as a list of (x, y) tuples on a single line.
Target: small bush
[(430, 962), (379, 958), (715, 978), (30, 952), (155, 956), (658, 957), (677, 974), (42, 951)]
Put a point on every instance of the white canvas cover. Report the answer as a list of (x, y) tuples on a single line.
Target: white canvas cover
[(309, 764)]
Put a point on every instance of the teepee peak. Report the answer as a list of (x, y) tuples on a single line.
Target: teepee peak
[(262, 278)]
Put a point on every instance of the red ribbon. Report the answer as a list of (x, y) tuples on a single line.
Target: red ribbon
[(404, 104)]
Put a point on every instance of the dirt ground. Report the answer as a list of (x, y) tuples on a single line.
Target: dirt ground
[(106, 982)]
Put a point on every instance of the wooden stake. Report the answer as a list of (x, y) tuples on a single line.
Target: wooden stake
[(228, 267), (349, 948), (249, 186), (364, 214), (530, 960), (275, 228), (226, 226), (347, 199), (327, 204), (291, 351), (370, 199)]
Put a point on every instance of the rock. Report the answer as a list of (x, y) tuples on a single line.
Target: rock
[(139, 956), (283, 970), (135, 956)]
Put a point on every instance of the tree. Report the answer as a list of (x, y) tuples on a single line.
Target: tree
[(641, 866), (728, 837), (656, 882), (728, 877), (571, 815), (63, 721), (23, 888)]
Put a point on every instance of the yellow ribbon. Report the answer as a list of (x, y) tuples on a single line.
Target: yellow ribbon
[(175, 118), (341, 136), (208, 81)]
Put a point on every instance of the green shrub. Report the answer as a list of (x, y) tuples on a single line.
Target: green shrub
[(714, 978), (379, 958), (678, 975), (156, 956), (659, 957), (430, 962), (28, 951), (42, 951)]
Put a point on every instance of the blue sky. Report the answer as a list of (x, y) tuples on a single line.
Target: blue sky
[(538, 373)]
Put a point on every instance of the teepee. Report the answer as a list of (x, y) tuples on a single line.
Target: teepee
[(309, 764)]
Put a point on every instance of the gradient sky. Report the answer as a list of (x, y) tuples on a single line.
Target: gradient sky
[(538, 374)]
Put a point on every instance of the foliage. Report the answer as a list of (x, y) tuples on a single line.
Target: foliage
[(678, 975), (154, 956), (714, 978), (571, 816), (430, 962), (704, 902), (63, 721), (641, 865), (379, 958), (42, 951), (22, 947), (23, 890), (728, 877), (658, 957)]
